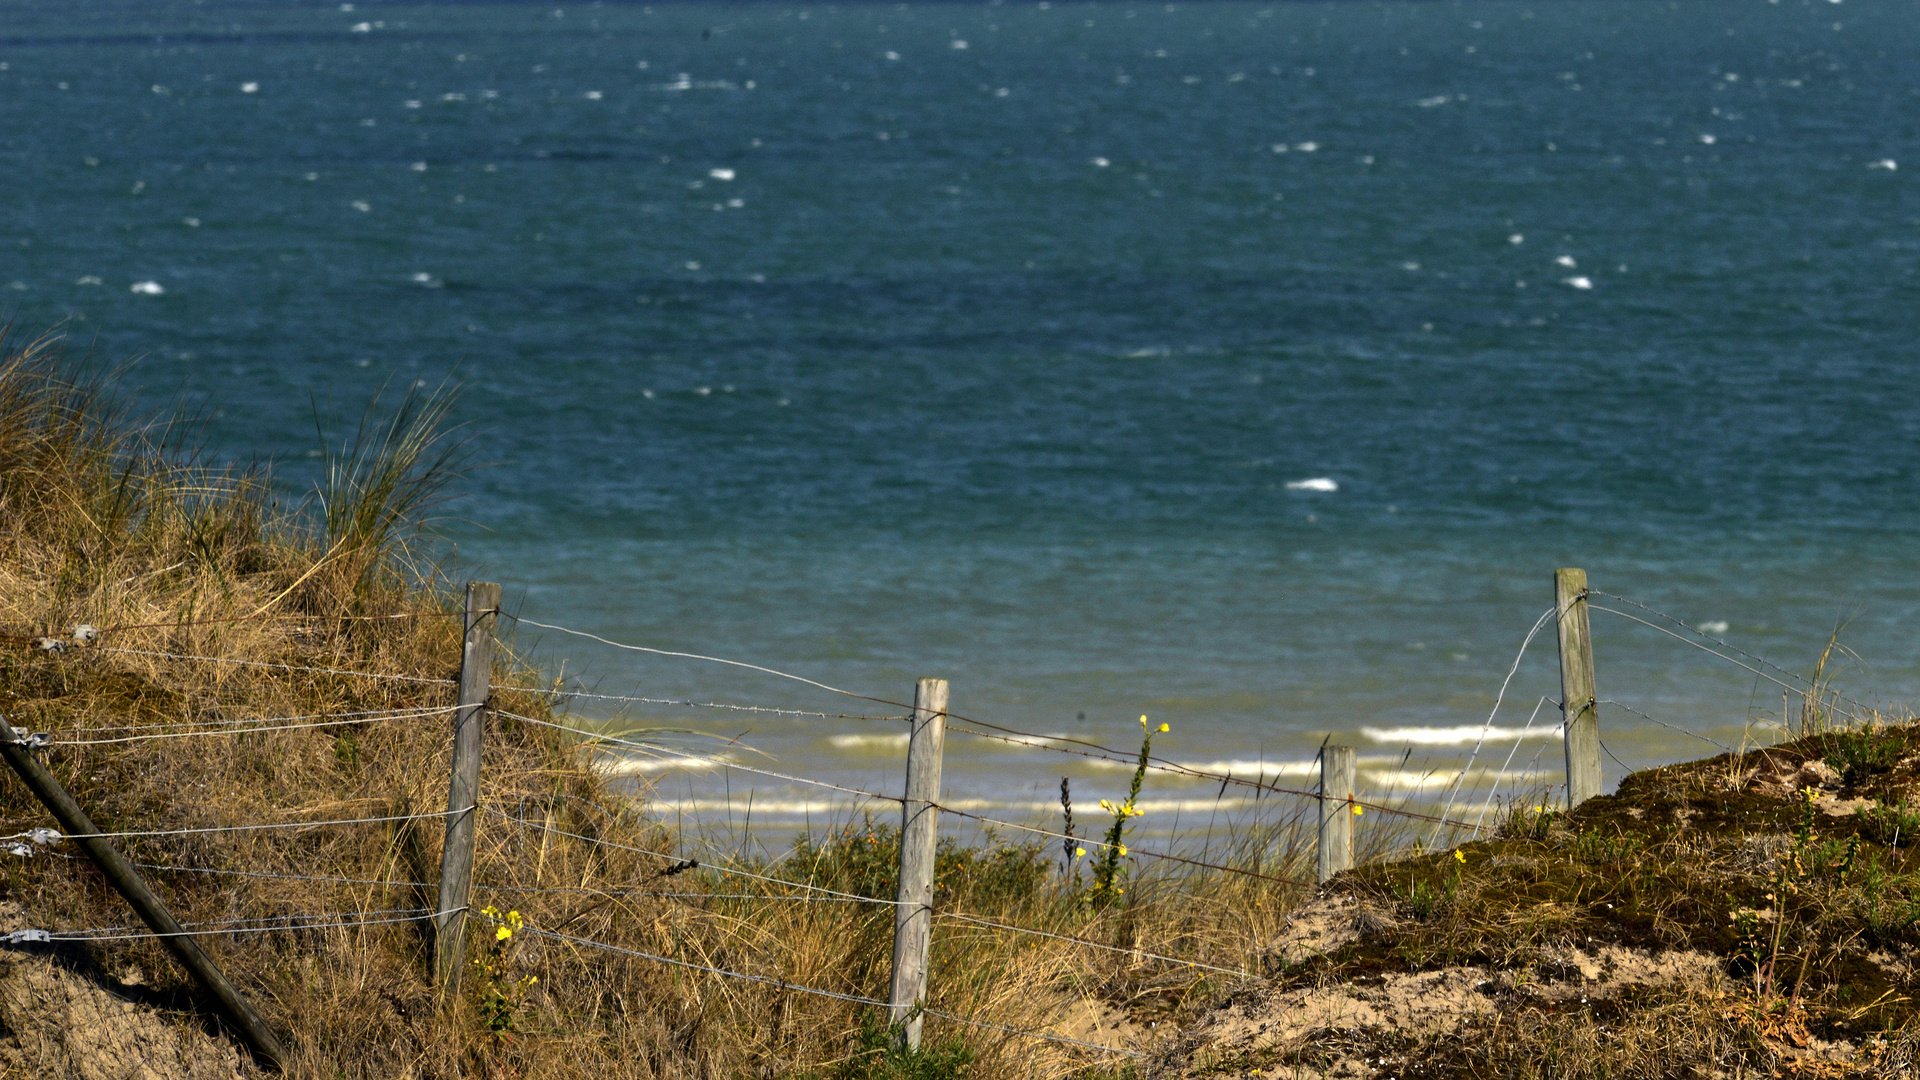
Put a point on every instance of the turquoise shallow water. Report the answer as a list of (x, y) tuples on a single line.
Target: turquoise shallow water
[(808, 336)]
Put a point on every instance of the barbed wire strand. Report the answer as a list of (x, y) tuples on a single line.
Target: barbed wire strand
[(273, 825), (1696, 631), (1664, 724), (691, 704), (376, 713), (1083, 941), (236, 730), (1747, 667), (280, 667), (87, 935), (768, 980)]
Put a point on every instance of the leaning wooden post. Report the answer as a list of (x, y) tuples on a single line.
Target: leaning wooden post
[(913, 914), (463, 789), (1336, 810), (127, 881), (1578, 704)]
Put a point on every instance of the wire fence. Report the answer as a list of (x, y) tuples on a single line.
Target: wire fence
[(756, 886)]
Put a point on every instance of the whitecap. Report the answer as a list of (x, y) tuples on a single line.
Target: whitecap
[(1713, 626), (867, 742), (594, 95), (249, 87), (1707, 139), (891, 55), (1566, 261), (147, 288), (959, 43), (1516, 238), (88, 279), (1456, 736), (361, 205), (1884, 163), (1578, 281), (1437, 99), (1316, 483), (1306, 147), (1101, 163), (721, 174)]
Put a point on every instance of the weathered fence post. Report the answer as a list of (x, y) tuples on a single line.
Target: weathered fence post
[(913, 915), (1336, 810), (463, 788), (1578, 704), (124, 878)]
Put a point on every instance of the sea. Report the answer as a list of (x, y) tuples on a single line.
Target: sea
[(1246, 367)]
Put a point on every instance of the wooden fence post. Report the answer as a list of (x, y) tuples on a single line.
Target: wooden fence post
[(463, 788), (913, 915), (1336, 810), (1578, 704), (124, 878)]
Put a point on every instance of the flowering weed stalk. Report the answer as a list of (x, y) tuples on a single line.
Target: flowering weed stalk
[(501, 995), (1107, 872)]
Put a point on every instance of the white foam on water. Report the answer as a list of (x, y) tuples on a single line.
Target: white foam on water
[(1517, 238), (1317, 483), (249, 87), (721, 174), (640, 766), (1884, 163), (1465, 735), (866, 742), (147, 288), (1713, 626), (1566, 261), (87, 279), (1580, 281)]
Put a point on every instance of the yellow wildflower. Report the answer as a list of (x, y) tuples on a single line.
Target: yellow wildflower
[(1358, 809), (1079, 852), (502, 933), (1166, 727), (1459, 856)]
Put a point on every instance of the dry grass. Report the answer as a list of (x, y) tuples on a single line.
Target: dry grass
[(102, 523)]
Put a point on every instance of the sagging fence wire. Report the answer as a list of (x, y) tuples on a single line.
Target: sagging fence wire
[(856, 999)]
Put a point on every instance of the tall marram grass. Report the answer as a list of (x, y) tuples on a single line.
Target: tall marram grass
[(104, 520)]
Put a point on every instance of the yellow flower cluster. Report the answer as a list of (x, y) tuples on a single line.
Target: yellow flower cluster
[(1127, 809), (1161, 728)]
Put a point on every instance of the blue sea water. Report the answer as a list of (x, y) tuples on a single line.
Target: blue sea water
[(998, 342)]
